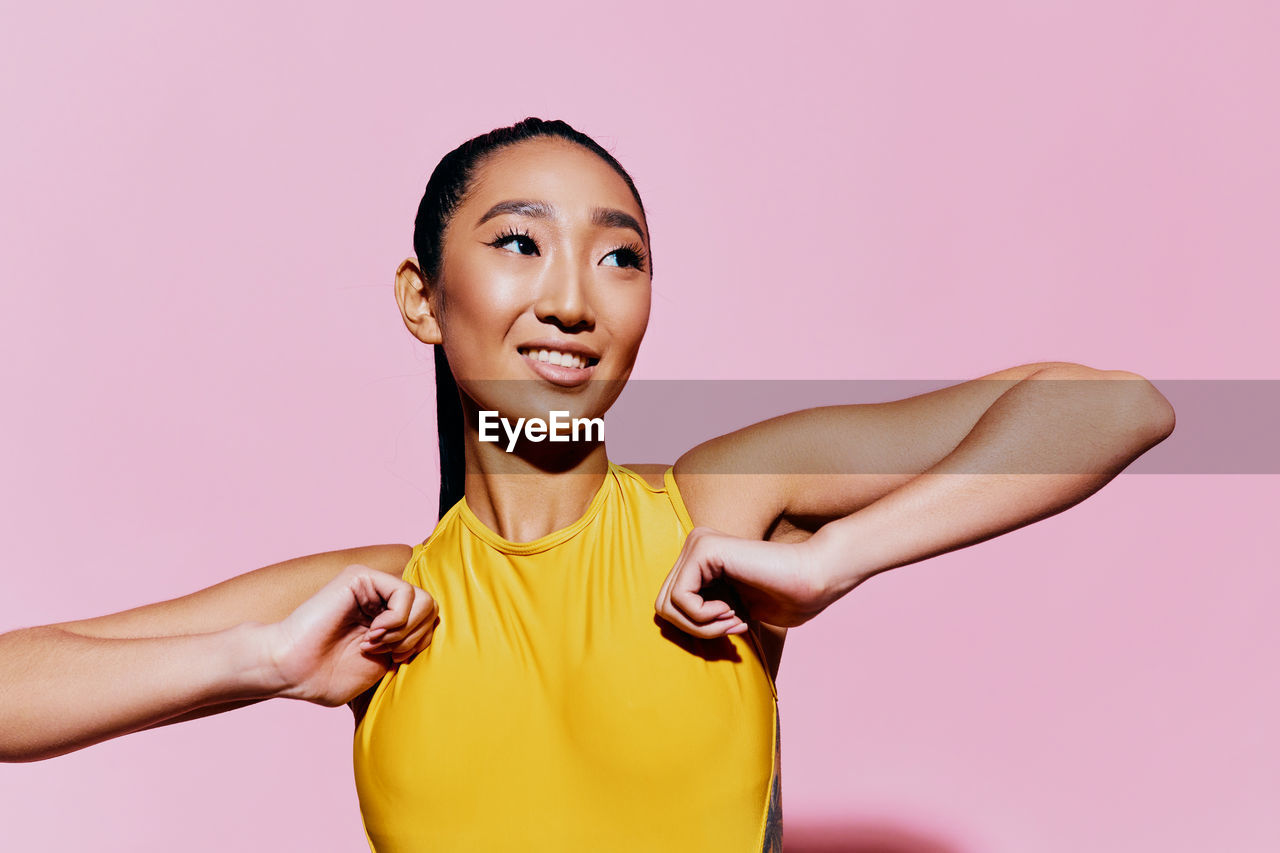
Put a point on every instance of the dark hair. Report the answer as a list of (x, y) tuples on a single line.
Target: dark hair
[(445, 190)]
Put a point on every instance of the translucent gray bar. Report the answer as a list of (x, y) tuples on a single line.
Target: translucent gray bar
[(1224, 426)]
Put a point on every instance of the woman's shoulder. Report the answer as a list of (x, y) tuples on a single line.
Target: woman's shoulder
[(651, 472), (711, 501)]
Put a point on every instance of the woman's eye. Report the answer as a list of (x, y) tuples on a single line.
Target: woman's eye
[(622, 258), (520, 244)]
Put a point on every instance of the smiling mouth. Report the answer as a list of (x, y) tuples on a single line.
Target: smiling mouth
[(559, 359)]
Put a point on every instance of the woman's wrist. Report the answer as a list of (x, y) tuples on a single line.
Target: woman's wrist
[(255, 661), (836, 559)]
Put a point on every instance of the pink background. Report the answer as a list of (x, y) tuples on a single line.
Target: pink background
[(204, 370)]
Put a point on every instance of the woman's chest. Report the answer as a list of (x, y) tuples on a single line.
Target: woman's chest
[(581, 668), (554, 689), (570, 741)]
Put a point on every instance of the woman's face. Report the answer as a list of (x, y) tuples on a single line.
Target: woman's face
[(548, 251)]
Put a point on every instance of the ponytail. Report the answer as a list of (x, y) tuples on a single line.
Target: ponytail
[(449, 431)]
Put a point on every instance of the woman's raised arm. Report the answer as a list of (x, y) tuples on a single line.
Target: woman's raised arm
[(889, 484), (297, 629)]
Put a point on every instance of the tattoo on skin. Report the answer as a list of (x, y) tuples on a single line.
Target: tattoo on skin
[(773, 819)]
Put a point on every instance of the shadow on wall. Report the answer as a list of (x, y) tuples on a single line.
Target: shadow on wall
[(860, 837)]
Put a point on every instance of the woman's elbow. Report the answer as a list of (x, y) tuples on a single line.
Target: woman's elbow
[(1149, 411)]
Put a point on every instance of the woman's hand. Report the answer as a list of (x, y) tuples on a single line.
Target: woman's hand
[(779, 583), (343, 639)]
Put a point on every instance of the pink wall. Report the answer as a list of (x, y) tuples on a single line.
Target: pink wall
[(204, 372)]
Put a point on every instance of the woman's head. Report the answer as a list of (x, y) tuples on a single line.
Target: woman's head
[(526, 236)]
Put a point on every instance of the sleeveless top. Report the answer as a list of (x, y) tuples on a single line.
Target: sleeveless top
[(554, 710)]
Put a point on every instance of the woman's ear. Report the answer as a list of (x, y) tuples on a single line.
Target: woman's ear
[(414, 296)]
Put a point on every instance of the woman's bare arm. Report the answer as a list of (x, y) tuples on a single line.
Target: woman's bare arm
[(72, 684), (1043, 444)]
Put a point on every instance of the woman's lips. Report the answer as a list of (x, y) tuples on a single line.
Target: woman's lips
[(559, 374)]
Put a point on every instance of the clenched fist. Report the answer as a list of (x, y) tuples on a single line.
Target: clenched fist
[(777, 583), (342, 640)]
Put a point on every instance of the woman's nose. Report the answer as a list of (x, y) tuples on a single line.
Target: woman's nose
[(564, 299)]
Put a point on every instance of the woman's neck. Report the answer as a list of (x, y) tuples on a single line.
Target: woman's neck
[(523, 496)]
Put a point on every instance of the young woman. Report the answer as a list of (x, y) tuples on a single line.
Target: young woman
[(582, 654)]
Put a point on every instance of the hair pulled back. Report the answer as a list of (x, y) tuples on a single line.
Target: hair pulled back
[(447, 187)]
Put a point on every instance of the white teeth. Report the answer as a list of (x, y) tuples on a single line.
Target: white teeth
[(562, 359)]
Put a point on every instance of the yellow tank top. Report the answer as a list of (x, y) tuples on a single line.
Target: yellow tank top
[(555, 711)]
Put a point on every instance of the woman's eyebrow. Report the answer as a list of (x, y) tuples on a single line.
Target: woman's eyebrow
[(607, 217)]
